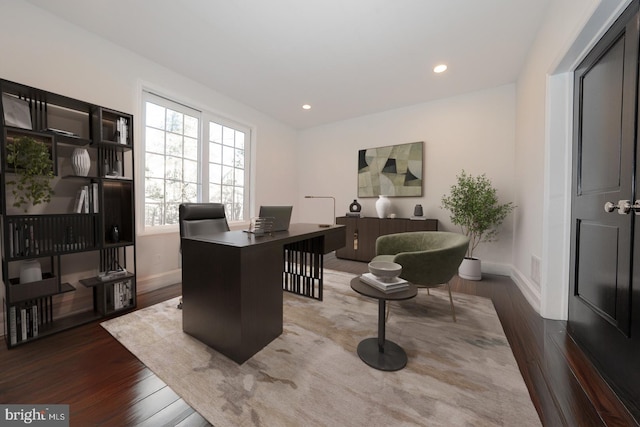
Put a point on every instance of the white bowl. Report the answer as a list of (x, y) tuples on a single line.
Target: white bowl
[(385, 270)]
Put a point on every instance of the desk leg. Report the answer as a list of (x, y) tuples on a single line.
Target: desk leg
[(379, 352), (303, 267)]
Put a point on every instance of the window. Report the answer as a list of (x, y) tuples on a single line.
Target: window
[(177, 163)]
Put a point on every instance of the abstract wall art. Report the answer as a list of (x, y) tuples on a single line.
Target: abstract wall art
[(395, 171)]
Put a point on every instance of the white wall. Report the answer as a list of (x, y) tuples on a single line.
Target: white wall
[(45, 52), (474, 132)]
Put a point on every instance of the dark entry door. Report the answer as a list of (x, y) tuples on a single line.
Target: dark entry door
[(603, 316)]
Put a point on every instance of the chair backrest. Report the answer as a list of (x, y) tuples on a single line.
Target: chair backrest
[(202, 218), (427, 257)]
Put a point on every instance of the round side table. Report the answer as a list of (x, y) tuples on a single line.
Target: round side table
[(379, 352)]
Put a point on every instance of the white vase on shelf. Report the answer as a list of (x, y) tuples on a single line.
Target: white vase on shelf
[(383, 206), (80, 161)]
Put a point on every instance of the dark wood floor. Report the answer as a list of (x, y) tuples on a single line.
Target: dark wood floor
[(104, 384)]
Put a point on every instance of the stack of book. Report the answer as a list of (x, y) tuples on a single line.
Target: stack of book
[(388, 286)]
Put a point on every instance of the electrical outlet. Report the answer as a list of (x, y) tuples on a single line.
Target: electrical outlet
[(535, 269)]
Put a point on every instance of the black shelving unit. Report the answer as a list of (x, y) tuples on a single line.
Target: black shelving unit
[(63, 124)]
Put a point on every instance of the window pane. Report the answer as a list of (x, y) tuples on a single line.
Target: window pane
[(215, 153), (240, 140), (227, 175), (228, 154), (154, 214), (174, 191), (171, 215), (174, 144), (215, 173), (190, 148), (215, 193), (154, 165), (174, 168), (215, 132), (154, 140), (191, 126), (154, 116), (174, 121), (239, 159), (153, 190), (190, 171), (228, 136), (239, 178), (190, 193)]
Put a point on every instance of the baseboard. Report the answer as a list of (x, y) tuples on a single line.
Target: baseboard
[(530, 291), (496, 268), (526, 286), (157, 281)]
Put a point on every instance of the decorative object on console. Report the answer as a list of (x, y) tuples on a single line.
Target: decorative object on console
[(474, 206), (355, 209), (334, 208), (393, 171), (80, 161), (417, 211), (32, 164), (383, 205)]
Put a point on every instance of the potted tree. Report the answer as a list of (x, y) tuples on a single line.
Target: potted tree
[(474, 206), (33, 167)]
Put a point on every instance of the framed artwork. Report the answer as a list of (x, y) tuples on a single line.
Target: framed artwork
[(394, 170)]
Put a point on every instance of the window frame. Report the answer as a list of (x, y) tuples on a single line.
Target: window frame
[(205, 116)]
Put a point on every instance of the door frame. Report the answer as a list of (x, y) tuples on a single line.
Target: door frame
[(556, 221)]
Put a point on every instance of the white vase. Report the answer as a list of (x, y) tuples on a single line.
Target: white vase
[(30, 271), (470, 269), (383, 205), (80, 161)]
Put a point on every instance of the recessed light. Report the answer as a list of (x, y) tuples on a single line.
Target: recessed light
[(306, 107), (440, 68)]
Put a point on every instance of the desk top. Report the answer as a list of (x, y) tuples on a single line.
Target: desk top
[(296, 232)]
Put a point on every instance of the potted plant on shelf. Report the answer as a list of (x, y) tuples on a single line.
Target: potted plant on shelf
[(474, 206), (33, 168)]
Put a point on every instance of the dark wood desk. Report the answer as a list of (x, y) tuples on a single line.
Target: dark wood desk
[(232, 283)]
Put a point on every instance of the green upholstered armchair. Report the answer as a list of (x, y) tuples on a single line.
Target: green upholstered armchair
[(428, 258)]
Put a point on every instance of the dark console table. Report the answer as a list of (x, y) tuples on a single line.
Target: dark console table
[(363, 232), (232, 283)]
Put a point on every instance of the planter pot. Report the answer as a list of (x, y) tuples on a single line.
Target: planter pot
[(470, 269), (80, 161), (383, 206)]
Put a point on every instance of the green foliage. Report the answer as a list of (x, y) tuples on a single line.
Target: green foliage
[(33, 169), (474, 206)]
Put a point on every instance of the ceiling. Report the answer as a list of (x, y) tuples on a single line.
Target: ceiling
[(346, 58)]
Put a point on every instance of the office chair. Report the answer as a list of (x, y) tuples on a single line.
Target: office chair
[(201, 218)]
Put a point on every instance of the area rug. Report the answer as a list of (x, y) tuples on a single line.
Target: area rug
[(458, 374)]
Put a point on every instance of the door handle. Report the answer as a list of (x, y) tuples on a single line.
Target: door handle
[(623, 207)]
